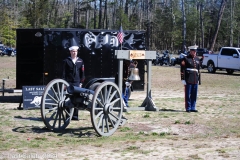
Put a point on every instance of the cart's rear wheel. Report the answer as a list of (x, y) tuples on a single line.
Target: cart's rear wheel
[(107, 109), (55, 113)]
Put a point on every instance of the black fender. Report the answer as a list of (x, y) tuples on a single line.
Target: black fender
[(98, 80)]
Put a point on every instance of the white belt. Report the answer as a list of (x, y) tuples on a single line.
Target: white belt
[(192, 69)]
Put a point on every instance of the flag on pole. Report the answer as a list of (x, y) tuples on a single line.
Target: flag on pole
[(120, 35)]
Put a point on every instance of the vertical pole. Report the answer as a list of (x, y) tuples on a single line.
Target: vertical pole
[(120, 74), (184, 25), (149, 72), (148, 27)]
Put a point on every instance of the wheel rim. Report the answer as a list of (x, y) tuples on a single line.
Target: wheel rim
[(107, 109), (210, 67), (55, 114)]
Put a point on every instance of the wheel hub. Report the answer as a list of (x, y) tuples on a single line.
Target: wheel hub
[(108, 108)]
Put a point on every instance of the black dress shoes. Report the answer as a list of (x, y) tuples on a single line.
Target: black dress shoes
[(194, 110), (188, 111), (75, 118)]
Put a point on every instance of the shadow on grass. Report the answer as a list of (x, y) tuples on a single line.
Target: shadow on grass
[(28, 118), (170, 110), (34, 118), (68, 132), (79, 132)]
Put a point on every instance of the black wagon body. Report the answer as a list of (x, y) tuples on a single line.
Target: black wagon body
[(40, 54)]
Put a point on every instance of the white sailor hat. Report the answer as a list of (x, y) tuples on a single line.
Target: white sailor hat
[(193, 47), (73, 48)]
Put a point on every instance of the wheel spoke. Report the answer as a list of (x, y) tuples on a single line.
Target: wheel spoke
[(114, 116), (100, 120), (62, 92), (55, 93), (51, 104), (105, 94), (109, 92), (67, 113), (59, 119), (113, 94), (58, 91), (101, 97), (97, 116), (50, 110), (63, 117), (51, 117), (106, 122), (111, 121), (113, 102), (52, 98), (55, 119), (100, 103)]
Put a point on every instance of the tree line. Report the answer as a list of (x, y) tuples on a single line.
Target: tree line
[(169, 24)]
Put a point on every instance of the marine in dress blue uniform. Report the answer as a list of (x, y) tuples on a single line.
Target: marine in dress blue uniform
[(191, 77), (73, 72)]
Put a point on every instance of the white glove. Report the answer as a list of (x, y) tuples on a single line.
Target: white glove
[(128, 84), (184, 82), (80, 85)]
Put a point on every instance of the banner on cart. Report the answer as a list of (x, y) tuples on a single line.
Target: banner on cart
[(32, 96)]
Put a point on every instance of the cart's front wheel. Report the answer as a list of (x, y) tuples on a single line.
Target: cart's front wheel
[(56, 108), (107, 109)]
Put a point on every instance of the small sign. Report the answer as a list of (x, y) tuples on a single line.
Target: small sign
[(137, 54), (32, 96)]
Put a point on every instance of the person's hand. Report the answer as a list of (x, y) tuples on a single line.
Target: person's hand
[(184, 82), (80, 85), (128, 84)]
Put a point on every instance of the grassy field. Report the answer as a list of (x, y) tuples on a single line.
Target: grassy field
[(170, 133)]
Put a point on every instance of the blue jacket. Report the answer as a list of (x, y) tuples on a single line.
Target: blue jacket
[(73, 73)]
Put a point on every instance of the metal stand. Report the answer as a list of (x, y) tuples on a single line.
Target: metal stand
[(20, 104), (3, 86), (148, 104)]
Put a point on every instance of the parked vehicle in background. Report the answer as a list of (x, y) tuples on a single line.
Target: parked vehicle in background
[(165, 59), (156, 61), (15, 52), (177, 60), (8, 51), (228, 58), (201, 51), (1, 47)]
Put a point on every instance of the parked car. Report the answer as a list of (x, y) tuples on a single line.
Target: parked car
[(228, 58), (15, 52), (8, 51), (1, 48)]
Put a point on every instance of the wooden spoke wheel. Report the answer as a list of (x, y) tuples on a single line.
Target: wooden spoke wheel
[(55, 112), (107, 108)]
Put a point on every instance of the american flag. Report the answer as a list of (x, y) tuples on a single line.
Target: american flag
[(120, 35)]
